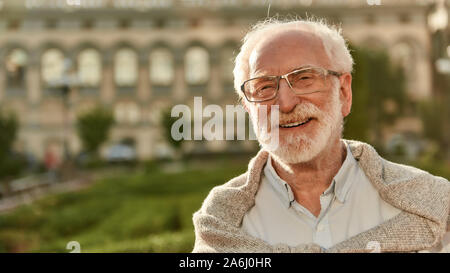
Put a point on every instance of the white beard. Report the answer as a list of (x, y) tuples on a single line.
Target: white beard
[(299, 148)]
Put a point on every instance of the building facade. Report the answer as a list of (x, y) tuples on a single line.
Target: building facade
[(60, 58)]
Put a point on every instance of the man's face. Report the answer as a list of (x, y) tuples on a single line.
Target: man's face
[(314, 119)]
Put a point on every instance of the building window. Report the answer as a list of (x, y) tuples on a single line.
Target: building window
[(161, 67), (124, 23), (127, 113), (194, 23), (14, 24), (89, 68), (370, 19), (404, 18), (160, 23), (403, 55), (196, 66), (52, 66), (51, 23), (16, 62), (88, 24), (125, 67)]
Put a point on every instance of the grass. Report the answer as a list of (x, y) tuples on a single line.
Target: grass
[(148, 210)]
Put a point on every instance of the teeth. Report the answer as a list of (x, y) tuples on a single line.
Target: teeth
[(294, 124)]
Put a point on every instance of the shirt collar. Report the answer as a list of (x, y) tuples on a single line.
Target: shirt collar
[(280, 186), (340, 184), (345, 176)]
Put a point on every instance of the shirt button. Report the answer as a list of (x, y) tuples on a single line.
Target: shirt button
[(320, 227)]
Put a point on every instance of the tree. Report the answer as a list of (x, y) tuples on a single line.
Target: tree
[(166, 122), (9, 125), (93, 129), (433, 122), (376, 83), (8, 129)]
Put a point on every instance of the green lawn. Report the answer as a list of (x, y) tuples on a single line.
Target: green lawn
[(146, 210)]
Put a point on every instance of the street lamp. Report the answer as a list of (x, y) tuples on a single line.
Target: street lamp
[(438, 19), (438, 25), (438, 22), (65, 83)]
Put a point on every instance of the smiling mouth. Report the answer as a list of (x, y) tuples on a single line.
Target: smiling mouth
[(295, 124)]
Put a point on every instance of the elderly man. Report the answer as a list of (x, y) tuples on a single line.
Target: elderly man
[(314, 191)]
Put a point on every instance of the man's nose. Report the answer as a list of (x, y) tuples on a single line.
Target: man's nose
[(287, 100)]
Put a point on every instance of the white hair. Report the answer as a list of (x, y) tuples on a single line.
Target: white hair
[(331, 37)]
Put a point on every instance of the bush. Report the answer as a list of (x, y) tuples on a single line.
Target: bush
[(8, 132), (93, 128), (149, 211), (376, 81), (167, 121), (433, 121)]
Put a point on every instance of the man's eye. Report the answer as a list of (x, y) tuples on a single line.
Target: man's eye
[(266, 87), (303, 78)]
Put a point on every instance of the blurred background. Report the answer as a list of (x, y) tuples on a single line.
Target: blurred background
[(86, 88)]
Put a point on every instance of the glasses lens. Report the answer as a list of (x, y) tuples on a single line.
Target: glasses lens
[(307, 80), (260, 89)]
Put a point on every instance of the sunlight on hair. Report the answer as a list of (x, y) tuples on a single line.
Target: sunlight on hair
[(331, 36)]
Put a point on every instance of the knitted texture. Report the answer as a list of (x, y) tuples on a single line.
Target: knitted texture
[(423, 198)]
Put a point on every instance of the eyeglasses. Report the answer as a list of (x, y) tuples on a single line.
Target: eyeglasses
[(301, 81)]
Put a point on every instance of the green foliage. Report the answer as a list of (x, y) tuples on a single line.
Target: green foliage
[(428, 161), (9, 126), (376, 82), (433, 119), (11, 165), (163, 242), (166, 122), (139, 212), (148, 211), (93, 128)]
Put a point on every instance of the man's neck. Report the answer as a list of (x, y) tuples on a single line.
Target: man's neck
[(309, 180)]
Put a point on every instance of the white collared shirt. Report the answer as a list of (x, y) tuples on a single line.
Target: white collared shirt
[(350, 205)]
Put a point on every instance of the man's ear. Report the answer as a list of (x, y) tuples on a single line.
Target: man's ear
[(345, 93)]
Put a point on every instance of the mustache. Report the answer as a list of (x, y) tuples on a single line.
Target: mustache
[(301, 112)]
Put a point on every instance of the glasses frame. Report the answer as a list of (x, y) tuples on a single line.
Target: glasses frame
[(326, 72)]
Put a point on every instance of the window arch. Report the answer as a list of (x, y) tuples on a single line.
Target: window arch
[(125, 67), (52, 66), (127, 112), (16, 63), (197, 65), (89, 67), (161, 67), (403, 55)]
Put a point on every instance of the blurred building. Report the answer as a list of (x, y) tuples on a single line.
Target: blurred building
[(59, 58)]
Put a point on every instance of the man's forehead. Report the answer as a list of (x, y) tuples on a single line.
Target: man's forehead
[(290, 35), (287, 43)]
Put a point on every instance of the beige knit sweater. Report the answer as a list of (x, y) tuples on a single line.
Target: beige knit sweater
[(423, 198)]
